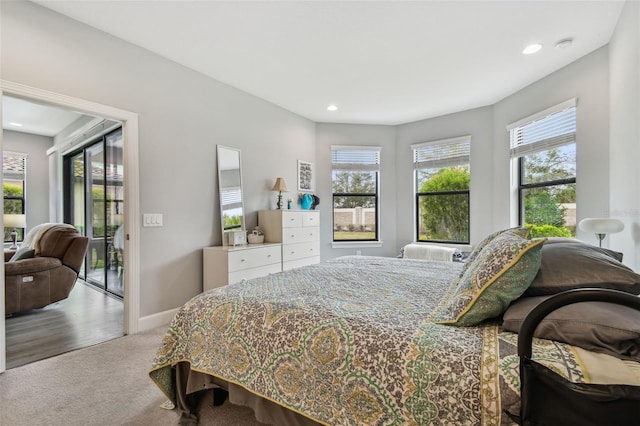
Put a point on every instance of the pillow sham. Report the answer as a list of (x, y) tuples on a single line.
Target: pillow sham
[(520, 231), (23, 253), (568, 265), (499, 274), (595, 326), (615, 254)]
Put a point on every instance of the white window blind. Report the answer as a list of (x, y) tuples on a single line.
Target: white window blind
[(442, 153), (231, 197), (355, 158), (552, 130), (14, 165)]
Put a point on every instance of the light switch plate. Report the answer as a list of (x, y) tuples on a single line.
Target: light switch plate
[(152, 219)]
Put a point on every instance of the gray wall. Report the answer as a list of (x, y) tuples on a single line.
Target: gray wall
[(624, 133), (183, 115), (586, 79), (476, 123), (37, 181), (358, 135)]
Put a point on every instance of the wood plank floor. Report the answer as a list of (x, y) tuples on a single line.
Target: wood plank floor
[(87, 317)]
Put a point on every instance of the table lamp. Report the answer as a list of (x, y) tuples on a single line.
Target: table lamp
[(279, 186), (15, 221), (601, 227)]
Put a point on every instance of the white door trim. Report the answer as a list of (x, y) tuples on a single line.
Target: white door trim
[(131, 195)]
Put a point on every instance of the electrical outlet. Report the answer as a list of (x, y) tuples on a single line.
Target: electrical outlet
[(152, 219), (358, 253)]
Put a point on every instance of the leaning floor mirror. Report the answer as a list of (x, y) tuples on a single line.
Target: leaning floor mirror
[(230, 194)]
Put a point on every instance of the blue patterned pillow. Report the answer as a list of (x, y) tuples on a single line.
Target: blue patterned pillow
[(500, 273)]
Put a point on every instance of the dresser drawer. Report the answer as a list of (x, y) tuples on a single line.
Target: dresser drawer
[(311, 218), (247, 274), (300, 263), (300, 235), (253, 258), (291, 219), (300, 251)]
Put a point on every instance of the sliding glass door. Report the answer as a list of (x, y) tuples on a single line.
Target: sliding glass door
[(94, 202)]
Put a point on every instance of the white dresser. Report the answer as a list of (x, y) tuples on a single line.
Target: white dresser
[(224, 265), (297, 230)]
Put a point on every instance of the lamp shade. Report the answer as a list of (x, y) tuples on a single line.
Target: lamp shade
[(280, 185), (15, 221), (601, 225)]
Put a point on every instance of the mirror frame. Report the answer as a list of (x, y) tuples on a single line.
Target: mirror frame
[(221, 150)]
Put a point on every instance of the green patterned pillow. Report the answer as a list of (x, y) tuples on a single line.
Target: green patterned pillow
[(500, 273), (520, 231)]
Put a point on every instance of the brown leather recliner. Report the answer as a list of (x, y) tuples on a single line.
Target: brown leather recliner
[(48, 276)]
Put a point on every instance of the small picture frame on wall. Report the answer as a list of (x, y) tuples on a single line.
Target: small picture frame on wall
[(305, 176)]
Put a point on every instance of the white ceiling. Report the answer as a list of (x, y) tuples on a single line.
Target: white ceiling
[(28, 117), (380, 62)]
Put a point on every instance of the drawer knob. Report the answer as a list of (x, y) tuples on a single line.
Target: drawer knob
[(268, 255), (243, 259)]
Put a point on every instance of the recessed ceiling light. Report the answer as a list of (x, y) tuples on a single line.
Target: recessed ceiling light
[(332, 108), (564, 43), (15, 124), (532, 48)]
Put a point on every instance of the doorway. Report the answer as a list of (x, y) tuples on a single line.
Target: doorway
[(93, 199), (129, 122)]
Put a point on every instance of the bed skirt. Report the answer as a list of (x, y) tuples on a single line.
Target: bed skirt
[(188, 398)]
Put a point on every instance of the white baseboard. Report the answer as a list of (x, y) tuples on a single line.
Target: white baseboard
[(156, 320)]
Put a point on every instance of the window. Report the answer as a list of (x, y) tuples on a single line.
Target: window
[(355, 172), (543, 153), (442, 178), (14, 166)]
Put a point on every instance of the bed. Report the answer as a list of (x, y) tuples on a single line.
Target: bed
[(362, 340)]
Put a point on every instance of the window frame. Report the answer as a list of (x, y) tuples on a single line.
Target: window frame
[(357, 167), (522, 187), (462, 159), (519, 152), (15, 174)]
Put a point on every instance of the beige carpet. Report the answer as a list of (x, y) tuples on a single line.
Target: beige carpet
[(106, 384)]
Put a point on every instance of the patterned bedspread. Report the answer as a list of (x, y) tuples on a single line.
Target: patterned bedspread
[(349, 342)]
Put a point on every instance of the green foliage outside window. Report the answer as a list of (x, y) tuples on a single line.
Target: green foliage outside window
[(445, 217), (362, 184), (13, 200), (541, 208), (538, 231), (12, 205), (232, 222), (544, 207), (355, 183)]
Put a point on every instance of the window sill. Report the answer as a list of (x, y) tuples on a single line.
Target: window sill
[(356, 244), (461, 246)]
